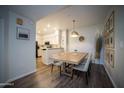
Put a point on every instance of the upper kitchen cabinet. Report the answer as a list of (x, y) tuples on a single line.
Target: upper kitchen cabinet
[(53, 38), (57, 39)]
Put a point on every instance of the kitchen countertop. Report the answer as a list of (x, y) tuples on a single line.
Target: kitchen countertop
[(51, 48), (54, 48)]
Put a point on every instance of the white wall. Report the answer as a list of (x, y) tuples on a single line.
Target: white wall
[(88, 45), (21, 53), (117, 73)]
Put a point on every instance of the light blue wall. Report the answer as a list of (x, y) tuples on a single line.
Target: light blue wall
[(18, 55), (21, 53)]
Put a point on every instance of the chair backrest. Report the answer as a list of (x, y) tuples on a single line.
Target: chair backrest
[(87, 62), (52, 51)]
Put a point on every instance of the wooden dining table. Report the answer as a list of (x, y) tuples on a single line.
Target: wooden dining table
[(69, 59)]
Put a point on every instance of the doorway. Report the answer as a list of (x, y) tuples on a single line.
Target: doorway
[(38, 57)]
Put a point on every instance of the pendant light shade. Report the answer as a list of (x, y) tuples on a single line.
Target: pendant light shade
[(74, 33)]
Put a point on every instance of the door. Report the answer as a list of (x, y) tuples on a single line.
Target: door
[(1, 50)]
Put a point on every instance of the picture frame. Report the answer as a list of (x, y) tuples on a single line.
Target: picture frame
[(111, 57), (19, 21), (109, 41), (107, 56), (112, 40), (111, 19), (107, 26), (22, 33)]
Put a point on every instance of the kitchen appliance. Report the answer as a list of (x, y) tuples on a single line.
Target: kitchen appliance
[(47, 44)]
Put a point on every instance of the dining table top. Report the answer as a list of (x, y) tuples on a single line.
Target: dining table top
[(69, 57)]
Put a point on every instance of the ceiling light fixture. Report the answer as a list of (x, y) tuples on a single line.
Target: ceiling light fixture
[(74, 33)]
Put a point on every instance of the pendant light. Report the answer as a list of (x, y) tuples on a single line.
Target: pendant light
[(74, 33)]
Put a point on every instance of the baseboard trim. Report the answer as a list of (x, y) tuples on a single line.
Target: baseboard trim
[(23, 75), (115, 86)]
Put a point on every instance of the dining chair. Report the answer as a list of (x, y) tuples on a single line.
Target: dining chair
[(58, 64), (84, 67)]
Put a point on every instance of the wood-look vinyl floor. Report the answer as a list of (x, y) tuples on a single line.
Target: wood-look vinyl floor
[(43, 78)]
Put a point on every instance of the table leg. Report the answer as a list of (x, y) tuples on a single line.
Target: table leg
[(66, 68)]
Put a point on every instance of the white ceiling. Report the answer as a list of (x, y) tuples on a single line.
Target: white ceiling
[(61, 16), (84, 16), (35, 12)]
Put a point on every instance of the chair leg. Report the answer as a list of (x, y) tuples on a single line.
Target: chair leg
[(86, 77), (72, 74), (78, 73), (90, 66), (60, 70), (52, 68), (64, 67), (88, 72)]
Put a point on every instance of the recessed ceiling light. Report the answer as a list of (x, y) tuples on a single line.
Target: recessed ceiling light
[(48, 25)]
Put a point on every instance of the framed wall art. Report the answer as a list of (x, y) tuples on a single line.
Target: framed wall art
[(22, 33), (107, 26), (109, 40), (108, 56), (111, 19), (111, 56), (105, 55)]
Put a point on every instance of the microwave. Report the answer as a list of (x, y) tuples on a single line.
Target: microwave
[(47, 43)]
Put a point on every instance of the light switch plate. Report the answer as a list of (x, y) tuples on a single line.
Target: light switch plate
[(121, 44)]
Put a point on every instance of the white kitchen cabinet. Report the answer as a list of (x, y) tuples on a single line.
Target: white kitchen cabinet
[(53, 38)]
